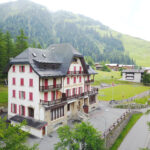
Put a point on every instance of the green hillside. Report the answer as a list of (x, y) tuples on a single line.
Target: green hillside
[(90, 37)]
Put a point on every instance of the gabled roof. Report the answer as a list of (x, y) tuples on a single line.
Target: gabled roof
[(43, 60)]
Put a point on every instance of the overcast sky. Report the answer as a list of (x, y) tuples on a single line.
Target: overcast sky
[(127, 16)]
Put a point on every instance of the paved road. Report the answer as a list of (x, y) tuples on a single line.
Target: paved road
[(138, 137), (101, 119)]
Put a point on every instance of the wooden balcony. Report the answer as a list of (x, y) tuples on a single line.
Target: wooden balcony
[(89, 81), (50, 87), (51, 103), (75, 73), (65, 98)]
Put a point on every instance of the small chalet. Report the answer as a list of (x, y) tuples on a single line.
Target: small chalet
[(133, 75)]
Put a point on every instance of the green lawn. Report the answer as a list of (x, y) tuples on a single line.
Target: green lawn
[(132, 121), (106, 77), (3, 96), (121, 91)]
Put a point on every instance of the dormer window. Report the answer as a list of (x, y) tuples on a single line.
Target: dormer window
[(74, 59), (21, 68)]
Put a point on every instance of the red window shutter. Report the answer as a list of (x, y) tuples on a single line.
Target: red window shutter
[(24, 111), (80, 79), (74, 69), (21, 81), (46, 96), (80, 69), (68, 81), (14, 93), (30, 69), (24, 95), (70, 92), (13, 68), (19, 68), (11, 107), (74, 79), (15, 108), (23, 69), (30, 96), (31, 82), (14, 81)]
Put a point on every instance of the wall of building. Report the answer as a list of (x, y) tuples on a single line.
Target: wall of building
[(35, 90), (136, 77), (33, 131)]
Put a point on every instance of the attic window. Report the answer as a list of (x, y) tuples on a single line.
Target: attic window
[(74, 59), (34, 54), (44, 55)]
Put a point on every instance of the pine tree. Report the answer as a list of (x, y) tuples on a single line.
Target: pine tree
[(21, 42)]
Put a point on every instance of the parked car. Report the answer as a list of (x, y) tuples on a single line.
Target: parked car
[(113, 102)]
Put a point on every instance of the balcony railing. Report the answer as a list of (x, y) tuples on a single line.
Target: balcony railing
[(54, 102), (50, 87), (89, 81), (75, 72), (67, 98)]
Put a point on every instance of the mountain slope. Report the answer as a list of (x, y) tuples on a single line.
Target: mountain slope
[(90, 37)]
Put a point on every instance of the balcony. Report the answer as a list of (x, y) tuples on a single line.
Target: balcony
[(65, 98), (89, 81), (51, 103), (50, 87), (75, 72)]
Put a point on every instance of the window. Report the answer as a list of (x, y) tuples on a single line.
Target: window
[(14, 81), (22, 110), (68, 92), (30, 96), (57, 113), (22, 82), (13, 93), (30, 112), (80, 90), (46, 96), (80, 79), (68, 107), (31, 82), (21, 94), (30, 69), (52, 95), (73, 91), (80, 70), (68, 80), (14, 108), (74, 79), (13, 68), (21, 68)]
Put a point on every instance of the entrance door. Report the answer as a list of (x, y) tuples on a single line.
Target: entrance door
[(43, 131), (54, 82), (46, 83)]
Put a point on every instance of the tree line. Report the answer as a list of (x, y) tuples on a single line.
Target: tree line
[(11, 47)]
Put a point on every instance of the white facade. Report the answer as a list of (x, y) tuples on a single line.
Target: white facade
[(132, 77), (41, 93)]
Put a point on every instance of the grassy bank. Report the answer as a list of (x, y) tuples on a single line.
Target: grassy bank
[(125, 131), (3, 95), (120, 92)]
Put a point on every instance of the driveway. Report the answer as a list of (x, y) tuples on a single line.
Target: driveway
[(101, 118), (138, 137)]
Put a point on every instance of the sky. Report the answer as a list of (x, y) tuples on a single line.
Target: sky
[(126, 16)]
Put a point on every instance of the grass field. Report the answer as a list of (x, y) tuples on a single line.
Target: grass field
[(106, 77), (3, 96), (132, 121), (122, 91)]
